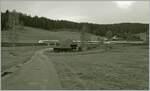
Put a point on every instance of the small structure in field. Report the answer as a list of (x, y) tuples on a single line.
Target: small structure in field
[(50, 42), (66, 46)]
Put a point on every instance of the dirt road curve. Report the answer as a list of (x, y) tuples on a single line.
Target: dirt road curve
[(38, 73)]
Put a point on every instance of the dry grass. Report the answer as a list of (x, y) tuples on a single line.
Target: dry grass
[(33, 35), (123, 68), (13, 56)]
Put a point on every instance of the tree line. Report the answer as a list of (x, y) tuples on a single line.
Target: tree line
[(12, 18)]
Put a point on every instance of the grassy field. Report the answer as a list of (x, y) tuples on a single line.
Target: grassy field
[(123, 67), (13, 56), (33, 35)]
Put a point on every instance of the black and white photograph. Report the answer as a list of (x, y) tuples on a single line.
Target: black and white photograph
[(75, 44)]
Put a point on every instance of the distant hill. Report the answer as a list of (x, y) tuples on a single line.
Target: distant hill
[(11, 18), (33, 35)]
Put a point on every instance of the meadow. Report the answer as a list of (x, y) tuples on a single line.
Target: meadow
[(33, 35), (15, 56), (121, 68), (124, 67)]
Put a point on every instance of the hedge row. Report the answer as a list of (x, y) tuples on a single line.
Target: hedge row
[(5, 44)]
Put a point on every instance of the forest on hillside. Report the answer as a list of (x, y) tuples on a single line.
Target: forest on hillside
[(11, 18)]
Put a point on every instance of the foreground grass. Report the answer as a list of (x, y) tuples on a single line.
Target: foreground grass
[(13, 56), (123, 68)]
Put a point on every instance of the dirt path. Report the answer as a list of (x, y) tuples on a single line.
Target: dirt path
[(38, 73)]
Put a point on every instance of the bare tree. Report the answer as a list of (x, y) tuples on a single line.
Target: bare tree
[(84, 37), (13, 20), (12, 37), (147, 37), (109, 36)]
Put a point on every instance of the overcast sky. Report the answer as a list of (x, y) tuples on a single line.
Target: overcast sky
[(102, 12)]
